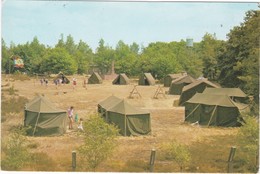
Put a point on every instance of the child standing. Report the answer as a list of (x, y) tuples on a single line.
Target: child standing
[(80, 126), (70, 116)]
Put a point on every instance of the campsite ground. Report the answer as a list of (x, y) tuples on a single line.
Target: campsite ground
[(132, 152)]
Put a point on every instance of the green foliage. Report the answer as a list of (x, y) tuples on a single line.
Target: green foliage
[(99, 141), (248, 137), (177, 152), (15, 151), (58, 59)]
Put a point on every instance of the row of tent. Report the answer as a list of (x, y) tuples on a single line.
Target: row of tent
[(129, 119)]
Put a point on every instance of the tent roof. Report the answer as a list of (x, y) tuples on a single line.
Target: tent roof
[(42, 105), (231, 92), (198, 82), (109, 102), (123, 107), (149, 78), (97, 75), (123, 75), (183, 79), (174, 76), (211, 99)]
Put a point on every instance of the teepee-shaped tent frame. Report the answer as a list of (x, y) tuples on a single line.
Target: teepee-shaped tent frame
[(159, 91), (134, 92)]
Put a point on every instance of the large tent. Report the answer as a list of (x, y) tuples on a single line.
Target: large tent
[(44, 118), (121, 79), (178, 84), (64, 79), (146, 79), (169, 78), (129, 119), (212, 110), (106, 104), (196, 87), (95, 79)]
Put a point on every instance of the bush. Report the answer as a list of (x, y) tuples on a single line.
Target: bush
[(99, 141)]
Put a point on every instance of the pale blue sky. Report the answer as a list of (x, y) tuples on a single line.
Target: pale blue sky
[(140, 22)]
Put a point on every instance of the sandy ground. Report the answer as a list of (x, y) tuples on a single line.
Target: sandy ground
[(167, 121)]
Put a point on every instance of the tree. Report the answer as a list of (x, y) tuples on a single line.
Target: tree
[(99, 141), (56, 60), (248, 139), (83, 57), (176, 152)]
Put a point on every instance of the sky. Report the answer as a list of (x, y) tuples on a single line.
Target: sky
[(139, 22)]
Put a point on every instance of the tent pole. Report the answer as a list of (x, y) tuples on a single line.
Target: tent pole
[(125, 124), (212, 115), (193, 110), (36, 123)]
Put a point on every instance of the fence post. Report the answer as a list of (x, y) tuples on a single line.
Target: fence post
[(73, 160), (230, 159), (152, 159)]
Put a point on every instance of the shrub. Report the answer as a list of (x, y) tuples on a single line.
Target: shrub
[(99, 141)]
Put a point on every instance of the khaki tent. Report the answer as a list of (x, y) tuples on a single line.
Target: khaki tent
[(212, 110), (178, 84), (44, 118), (95, 79), (146, 79), (121, 79), (196, 87), (129, 119), (231, 92), (106, 104), (169, 78), (64, 79)]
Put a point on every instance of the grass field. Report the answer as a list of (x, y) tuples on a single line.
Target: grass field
[(209, 146)]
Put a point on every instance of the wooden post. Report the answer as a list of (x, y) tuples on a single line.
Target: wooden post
[(230, 159), (73, 160), (152, 159)]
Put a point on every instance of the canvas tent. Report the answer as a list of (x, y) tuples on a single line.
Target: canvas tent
[(146, 79), (129, 119), (121, 79), (44, 118), (169, 78), (95, 79), (106, 104), (196, 87), (178, 84), (212, 110), (64, 79)]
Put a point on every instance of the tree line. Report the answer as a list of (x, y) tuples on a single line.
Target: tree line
[(231, 63)]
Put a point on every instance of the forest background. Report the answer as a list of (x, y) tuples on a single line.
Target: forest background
[(231, 63)]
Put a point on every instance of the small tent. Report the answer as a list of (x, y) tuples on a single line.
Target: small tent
[(121, 79), (107, 103), (179, 83), (44, 118), (64, 79), (212, 110), (169, 78), (129, 119), (95, 79), (146, 79), (196, 87)]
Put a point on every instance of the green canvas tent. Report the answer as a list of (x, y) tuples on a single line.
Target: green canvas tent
[(129, 119), (107, 103), (169, 78), (178, 84), (64, 79), (44, 118), (146, 79), (212, 110), (121, 79), (196, 87), (95, 79)]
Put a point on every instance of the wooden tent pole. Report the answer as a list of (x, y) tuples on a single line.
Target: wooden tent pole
[(212, 114), (193, 111), (125, 124), (36, 123)]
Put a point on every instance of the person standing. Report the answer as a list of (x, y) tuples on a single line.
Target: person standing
[(70, 116), (74, 82)]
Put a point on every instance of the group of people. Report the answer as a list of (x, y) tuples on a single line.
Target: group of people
[(74, 119), (58, 81)]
